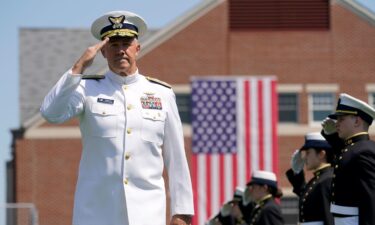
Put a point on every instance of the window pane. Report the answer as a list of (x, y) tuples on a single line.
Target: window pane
[(288, 103), (183, 104), (372, 99), (322, 105)]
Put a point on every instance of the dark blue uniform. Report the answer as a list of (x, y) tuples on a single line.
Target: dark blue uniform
[(353, 185), (266, 212), (314, 197)]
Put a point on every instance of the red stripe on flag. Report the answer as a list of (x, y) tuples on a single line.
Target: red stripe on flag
[(260, 125), (247, 116), (234, 169)]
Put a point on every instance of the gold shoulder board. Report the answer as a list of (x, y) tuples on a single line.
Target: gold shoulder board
[(156, 81)]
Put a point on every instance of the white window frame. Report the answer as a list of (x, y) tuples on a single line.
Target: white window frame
[(291, 89), (370, 89), (319, 88)]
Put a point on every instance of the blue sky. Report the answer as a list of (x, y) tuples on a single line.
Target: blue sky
[(62, 14)]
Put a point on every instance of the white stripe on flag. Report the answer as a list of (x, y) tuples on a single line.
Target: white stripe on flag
[(254, 133), (228, 176), (267, 136), (215, 185), (241, 161), (202, 188)]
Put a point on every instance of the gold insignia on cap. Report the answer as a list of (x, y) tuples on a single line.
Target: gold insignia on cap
[(116, 21)]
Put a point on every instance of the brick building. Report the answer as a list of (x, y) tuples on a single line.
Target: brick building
[(316, 48)]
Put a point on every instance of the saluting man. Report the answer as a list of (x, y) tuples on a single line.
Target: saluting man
[(353, 185), (130, 130), (314, 196)]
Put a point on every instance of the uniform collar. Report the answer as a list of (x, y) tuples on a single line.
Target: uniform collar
[(357, 137), (321, 168), (129, 79), (264, 199)]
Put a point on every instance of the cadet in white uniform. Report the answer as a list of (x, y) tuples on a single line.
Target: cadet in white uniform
[(130, 130)]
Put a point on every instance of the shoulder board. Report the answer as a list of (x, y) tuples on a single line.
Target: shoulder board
[(92, 77), (156, 81)]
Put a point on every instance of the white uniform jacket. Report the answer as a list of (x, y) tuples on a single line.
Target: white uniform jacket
[(130, 130)]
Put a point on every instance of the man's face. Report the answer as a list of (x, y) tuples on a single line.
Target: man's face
[(345, 125), (121, 54)]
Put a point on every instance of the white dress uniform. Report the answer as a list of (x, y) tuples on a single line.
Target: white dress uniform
[(130, 130)]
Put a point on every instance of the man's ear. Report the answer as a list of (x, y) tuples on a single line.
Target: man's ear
[(358, 121), (138, 49), (322, 154)]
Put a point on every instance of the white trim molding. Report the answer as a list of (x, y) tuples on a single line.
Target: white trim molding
[(289, 88), (319, 88)]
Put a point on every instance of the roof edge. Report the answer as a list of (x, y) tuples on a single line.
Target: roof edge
[(359, 9), (176, 26)]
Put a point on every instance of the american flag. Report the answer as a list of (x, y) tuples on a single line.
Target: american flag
[(234, 123)]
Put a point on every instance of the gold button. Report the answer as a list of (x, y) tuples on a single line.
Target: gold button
[(126, 181), (127, 156), (125, 87), (129, 130), (129, 107), (336, 166), (103, 113)]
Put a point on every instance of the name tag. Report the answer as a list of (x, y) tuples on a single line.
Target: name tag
[(106, 101)]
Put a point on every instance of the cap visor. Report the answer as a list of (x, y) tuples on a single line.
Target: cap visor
[(334, 115)]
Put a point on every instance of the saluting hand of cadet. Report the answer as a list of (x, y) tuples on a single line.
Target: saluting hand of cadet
[(329, 126), (297, 161), (88, 57)]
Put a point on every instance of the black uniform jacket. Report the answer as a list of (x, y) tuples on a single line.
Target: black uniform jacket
[(229, 220), (246, 210), (266, 212), (353, 184), (314, 197)]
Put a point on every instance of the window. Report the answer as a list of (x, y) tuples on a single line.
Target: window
[(184, 106), (321, 105), (372, 99), (288, 107)]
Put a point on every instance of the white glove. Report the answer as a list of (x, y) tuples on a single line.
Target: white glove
[(226, 209), (329, 126), (297, 161)]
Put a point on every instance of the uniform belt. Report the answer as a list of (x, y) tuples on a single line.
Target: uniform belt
[(351, 220), (344, 210), (312, 223)]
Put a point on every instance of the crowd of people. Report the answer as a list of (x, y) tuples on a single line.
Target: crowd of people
[(341, 191)]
